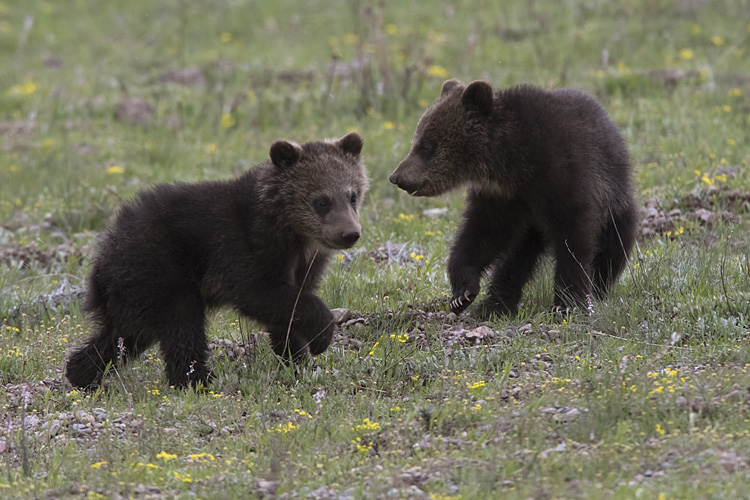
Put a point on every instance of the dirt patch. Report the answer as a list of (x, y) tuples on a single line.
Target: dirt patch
[(27, 255), (236, 350), (184, 76), (703, 207), (20, 127), (430, 322), (133, 111), (56, 302)]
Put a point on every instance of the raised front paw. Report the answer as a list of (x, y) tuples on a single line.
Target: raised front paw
[(462, 300)]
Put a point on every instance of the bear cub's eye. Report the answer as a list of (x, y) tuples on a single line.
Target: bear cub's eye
[(322, 205), (427, 146), (353, 201)]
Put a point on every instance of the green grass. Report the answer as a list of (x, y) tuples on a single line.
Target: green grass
[(645, 397)]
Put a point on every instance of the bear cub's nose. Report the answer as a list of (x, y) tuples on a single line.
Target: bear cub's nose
[(393, 178), (350, 237)]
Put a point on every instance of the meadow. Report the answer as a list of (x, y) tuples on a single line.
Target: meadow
[(646, 395)]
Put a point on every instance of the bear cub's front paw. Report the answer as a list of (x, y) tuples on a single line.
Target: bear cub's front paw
[(462, 299)]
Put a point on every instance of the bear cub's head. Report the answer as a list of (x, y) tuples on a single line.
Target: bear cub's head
[(451, 143), (320, 187)]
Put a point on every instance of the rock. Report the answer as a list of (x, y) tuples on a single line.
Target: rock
[(31, 421), (651, 212), (80, 430), (341, 315), (435, 212), (562, 414), (526, 329), (479, 333), (705, 215), (265, 488)]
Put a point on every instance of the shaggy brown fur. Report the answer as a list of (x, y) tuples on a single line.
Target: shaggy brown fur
[(545, 170), (258, 243)]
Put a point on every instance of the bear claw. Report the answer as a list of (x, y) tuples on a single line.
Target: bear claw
[(458, 304)]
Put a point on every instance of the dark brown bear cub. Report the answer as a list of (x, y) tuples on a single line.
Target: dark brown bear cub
[(258, 243), (546, 170)]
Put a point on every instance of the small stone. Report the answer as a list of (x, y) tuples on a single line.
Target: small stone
[(85, 418), (31, 421), (651, 212), (479, 333), (54, 428), (341, 315), (527, 328), (566, 415), (80, 430), (435, 212)]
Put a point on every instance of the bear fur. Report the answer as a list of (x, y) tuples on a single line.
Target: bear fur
[(259, 244), (546, 170)]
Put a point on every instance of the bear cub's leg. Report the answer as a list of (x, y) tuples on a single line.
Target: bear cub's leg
[(511, 274), (107, 347), (574, 249), (183, 343), (486, 238), (611, 256), (86, 366), (311, 328)]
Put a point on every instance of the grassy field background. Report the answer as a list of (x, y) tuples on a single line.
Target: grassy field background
[(645, 396)]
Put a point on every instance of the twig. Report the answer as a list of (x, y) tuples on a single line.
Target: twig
[(296, 301), (722, 269)]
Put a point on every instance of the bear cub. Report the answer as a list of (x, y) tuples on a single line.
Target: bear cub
[(259, 244), (545, 170)]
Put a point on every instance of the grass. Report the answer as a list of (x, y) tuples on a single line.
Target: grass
[(645, 397)]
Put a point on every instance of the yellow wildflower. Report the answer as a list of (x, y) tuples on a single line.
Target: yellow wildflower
[(25, 88), (227, 120), (437, 71), (686, 54)]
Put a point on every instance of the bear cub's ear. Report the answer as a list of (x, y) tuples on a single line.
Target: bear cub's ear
[(285, 154), (351, 143), (478, 96), (449, 85)]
